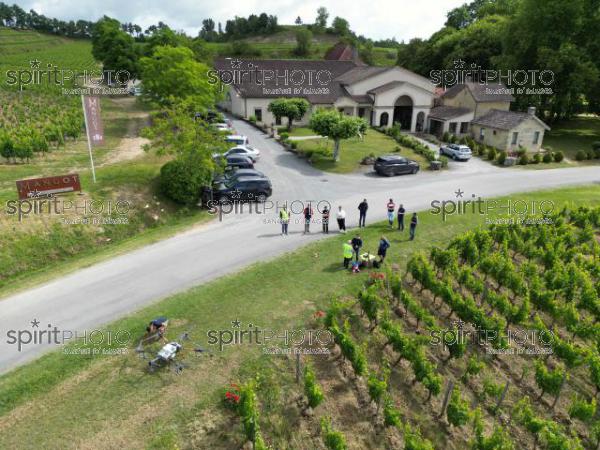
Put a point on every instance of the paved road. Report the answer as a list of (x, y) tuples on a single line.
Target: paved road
[(99, 294)]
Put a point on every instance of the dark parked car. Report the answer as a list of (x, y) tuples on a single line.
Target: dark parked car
[(390, 165), (244, 189), (237, 162), (233, 174)]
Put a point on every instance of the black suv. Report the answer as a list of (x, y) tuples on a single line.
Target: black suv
[(389, 165), (244, 189), (233, 174)]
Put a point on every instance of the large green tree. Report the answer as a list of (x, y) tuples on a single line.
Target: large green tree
[(303, 41), (172, 74), (292, 108), (177, 131), (336, 126), (114, 47)]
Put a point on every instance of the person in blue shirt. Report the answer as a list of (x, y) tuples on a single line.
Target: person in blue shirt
[(384, 244)]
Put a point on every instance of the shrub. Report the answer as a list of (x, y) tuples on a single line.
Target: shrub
[(182, 179), (391, 414), (481, 149), (537, 158), (334, 440), (547, 158), (284, 136), (312, 390), (521, 151), (582, 410), (589, 154), (452, 139), (444, 161), (597, 153), (457, 412), (248, 411), (252, 119), (524, 160), (596, 145), (243, 48), (293, 144), (446, 137), (491, 153), (580, 155), (558, 156), (501, 158), (398, 149)]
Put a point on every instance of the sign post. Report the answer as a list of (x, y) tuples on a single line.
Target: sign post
[(47, 187), (93, 126)]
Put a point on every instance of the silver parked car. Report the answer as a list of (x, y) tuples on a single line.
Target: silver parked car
[(456, 152)]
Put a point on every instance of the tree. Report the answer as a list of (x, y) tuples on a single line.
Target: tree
[(176, 131), (336, 126), (114, 47), (366, 53), (303, 41), (340, 26), (208, 32), (298, 21), (172, 74), (292, 108), (322, 16)]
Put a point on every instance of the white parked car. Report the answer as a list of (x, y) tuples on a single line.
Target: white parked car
[(245, 150), (236, 140), (456, 152), (222, 127)]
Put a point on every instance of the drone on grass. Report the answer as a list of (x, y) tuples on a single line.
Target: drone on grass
[(170, 354)]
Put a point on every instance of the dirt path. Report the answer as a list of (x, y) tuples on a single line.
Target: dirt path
[(131, 146)]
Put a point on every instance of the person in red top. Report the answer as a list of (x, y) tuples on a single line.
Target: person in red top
[(391, 208)]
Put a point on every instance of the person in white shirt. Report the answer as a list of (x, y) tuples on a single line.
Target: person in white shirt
[(341, 219)]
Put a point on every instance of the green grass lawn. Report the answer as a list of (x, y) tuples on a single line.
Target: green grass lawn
[(75, 401), (299, 131), (352, 151), (574, 135)]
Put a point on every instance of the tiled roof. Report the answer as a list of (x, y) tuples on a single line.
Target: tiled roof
[(342, 52), (448, 112), (496, 92), (248, 87), (360, 73), (386, 87), (505, 120)]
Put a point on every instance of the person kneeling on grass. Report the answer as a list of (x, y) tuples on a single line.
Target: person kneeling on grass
[(384, 244)]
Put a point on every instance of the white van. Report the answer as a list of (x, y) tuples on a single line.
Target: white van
[(237, 139)]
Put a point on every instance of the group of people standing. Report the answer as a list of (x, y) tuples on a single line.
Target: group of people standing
[(308, 214)]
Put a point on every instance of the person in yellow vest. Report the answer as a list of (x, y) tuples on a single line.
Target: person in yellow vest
[(348, 252), (284, 218)]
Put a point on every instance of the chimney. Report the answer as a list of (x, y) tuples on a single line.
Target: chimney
[(531, 110)]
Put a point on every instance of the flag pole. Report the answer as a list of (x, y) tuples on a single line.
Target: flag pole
[(87, 134)]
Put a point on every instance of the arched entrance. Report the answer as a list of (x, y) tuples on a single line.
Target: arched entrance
[(403, 109), (420, 122)]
